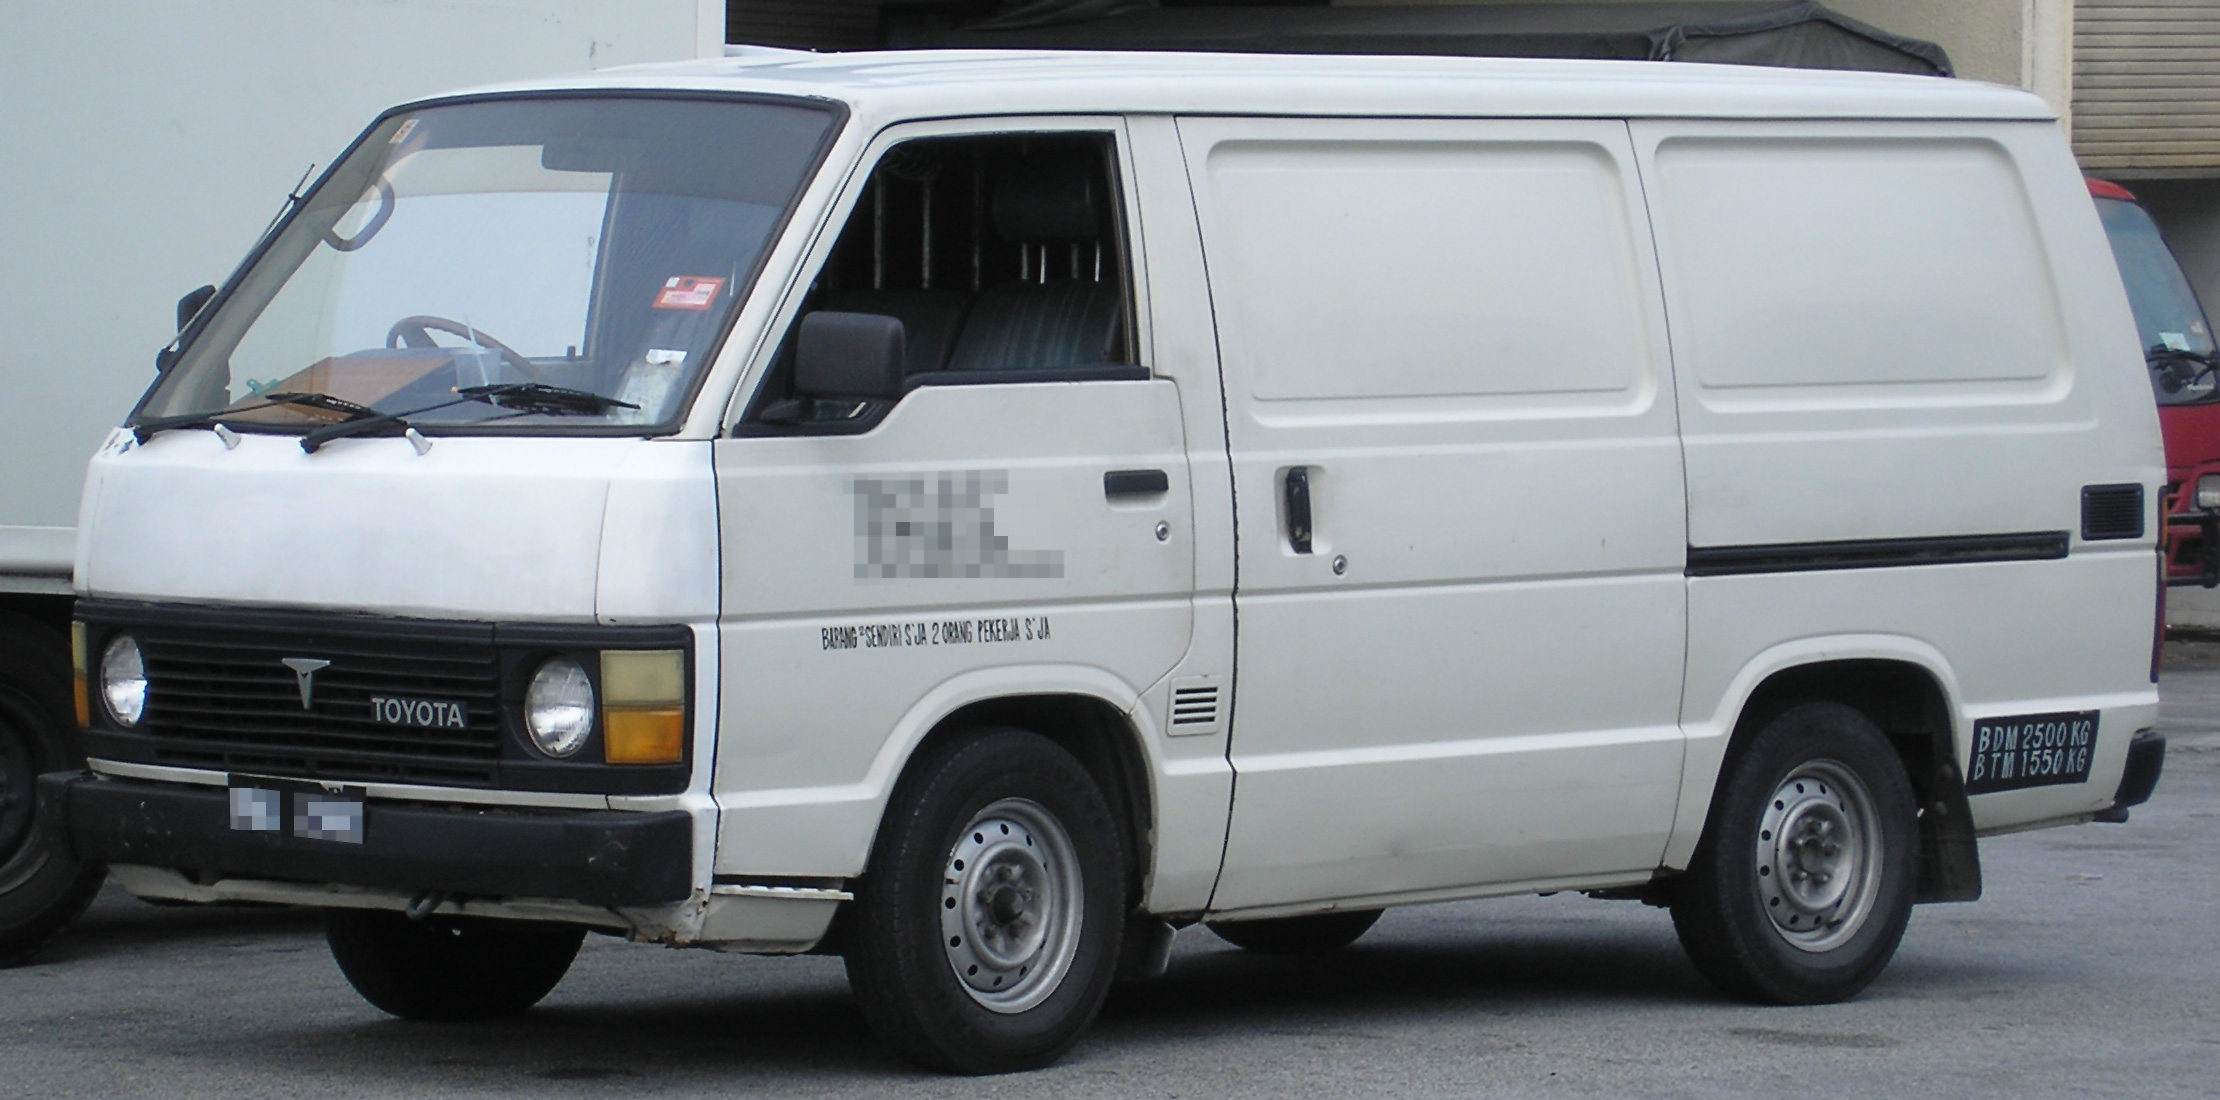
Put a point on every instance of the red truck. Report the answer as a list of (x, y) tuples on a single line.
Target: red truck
[(2185, 374)]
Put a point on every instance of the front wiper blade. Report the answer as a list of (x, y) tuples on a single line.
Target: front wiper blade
[(536, 397), (146, 430), (323, 401), (374, 420), (540, 397)]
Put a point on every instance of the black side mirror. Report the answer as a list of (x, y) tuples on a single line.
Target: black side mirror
[(849, 357), (191, 304)]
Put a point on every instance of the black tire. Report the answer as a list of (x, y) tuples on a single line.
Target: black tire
[(1311, 934), (42, 888), (449, 968), (966, 873), (1802, 885)]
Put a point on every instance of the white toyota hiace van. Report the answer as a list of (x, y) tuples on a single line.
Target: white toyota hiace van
[(978, 513)]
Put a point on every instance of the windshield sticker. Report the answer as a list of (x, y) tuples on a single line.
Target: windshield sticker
[(695, 292), (2174, 341), (657, 357), (2031, 750), (939, 525), (935, 632)]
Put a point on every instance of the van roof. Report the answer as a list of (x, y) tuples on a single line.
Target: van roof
[(883, 86)]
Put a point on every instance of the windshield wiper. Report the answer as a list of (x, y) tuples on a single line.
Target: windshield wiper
[(372, 420), (529, 397), (146, 430), (540, 397)]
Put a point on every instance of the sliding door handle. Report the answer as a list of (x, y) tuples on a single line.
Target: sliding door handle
[(1295, 494), (1135, 483)]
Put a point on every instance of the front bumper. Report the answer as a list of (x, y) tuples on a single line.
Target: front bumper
[(601, 858)]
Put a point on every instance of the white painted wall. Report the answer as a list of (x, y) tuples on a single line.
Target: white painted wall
[(145, 144)]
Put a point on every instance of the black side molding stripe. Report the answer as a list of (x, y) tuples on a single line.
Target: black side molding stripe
[(1805, 557)]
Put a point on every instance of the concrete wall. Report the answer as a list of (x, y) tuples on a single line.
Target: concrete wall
[(2188, 212), (149, 141)]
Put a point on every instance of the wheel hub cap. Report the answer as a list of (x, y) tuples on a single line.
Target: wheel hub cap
[(1010, 905), (1817, 874)]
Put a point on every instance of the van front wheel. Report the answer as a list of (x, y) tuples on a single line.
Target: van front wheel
[(986, 931), (1802, 885)]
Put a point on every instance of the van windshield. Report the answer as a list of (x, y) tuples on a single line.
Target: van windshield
[(2177, 338), (589, 244)]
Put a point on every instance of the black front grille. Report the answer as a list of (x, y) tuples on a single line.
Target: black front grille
[(227, 699), (221, 696)]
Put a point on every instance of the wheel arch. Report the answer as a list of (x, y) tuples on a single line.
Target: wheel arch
[(1090, 713), (1904, 687), (1102, 736)]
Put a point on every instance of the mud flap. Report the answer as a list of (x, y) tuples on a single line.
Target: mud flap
[(1949, 855)]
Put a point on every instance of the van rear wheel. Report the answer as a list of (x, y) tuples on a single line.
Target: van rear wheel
[(986, 932), (1311, 934), (1802, 885), (449, 968)]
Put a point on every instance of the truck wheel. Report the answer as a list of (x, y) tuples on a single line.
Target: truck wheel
[(1312, 934), (42, 888), (1802, 884), (985, 933), (449, 968)]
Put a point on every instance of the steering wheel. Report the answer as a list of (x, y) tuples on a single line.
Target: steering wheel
[(416, 332)]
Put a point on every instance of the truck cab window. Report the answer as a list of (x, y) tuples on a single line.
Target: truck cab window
[(1002, 257)]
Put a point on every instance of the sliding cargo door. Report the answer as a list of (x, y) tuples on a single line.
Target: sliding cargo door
[(1460, 509)]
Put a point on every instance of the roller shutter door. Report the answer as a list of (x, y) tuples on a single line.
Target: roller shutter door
[(2147, 87), (804, 24)]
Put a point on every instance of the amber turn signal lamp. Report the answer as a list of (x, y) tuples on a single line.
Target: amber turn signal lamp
[(643, 706), (80, 675)]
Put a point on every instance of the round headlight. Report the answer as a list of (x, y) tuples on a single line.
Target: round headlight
[(559, 707), (123, 681)]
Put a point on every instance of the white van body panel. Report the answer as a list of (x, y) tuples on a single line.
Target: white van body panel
[(1959, 367), (475, 528), (1960, 309), (483, 528), (1464, 343)]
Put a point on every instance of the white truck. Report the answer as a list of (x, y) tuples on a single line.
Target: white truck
[(148, 144), (975, 513)]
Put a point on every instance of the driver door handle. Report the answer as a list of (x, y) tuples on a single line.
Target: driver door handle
[(1135, 483)]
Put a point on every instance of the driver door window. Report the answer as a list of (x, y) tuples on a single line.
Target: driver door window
[(1002, 256)]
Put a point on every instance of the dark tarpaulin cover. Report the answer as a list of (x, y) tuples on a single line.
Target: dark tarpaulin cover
[(1792, 35)]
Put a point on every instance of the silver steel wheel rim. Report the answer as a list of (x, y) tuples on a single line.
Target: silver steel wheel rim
[(1011, 899), (1818, 856)]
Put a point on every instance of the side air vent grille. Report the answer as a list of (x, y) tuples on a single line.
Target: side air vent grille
[(1194, 707), (2111, 512)]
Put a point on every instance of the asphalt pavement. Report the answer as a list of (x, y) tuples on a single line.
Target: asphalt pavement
[(2088, 968)]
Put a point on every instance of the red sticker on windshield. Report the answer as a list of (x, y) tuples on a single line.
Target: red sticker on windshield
[(688, 292)]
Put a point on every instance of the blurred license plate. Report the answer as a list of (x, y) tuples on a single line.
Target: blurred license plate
[(310, 813)]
